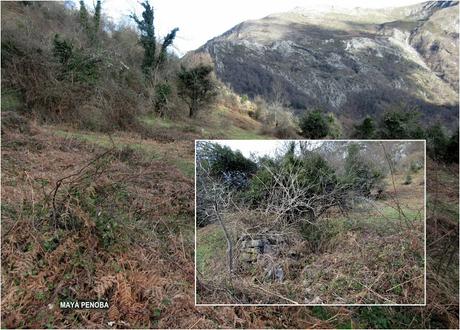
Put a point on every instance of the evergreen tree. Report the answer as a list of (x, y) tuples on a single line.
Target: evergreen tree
[(62, 50), (97, 15), (440, 146), (76, 65), (84, 17), (401, 122), (314, 125), (196, 87), (308, 172), (166, 43), (365, 130), (360, 175), (91, 29), (148, 40), (96, 20), (228, 166), (437, 142), (452, 149)]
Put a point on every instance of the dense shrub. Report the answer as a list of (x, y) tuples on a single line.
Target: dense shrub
[(196, 87), (452, 149), (408, 179), (360, 174), (309, 175), (228, 166), (61, 75), (440, 146), (400, 123), (334, 126), (77, 65), (162, 94), (278, 181), (365, 130), (415, 166), (314, 125)]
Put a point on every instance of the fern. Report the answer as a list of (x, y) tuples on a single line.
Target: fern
[(104, 284)]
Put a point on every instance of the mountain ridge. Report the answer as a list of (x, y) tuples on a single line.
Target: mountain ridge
[(353, 65)]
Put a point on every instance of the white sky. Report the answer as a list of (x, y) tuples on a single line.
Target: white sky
[(200, 20), (256, 147)]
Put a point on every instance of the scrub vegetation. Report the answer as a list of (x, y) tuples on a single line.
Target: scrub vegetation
[(316, 223)]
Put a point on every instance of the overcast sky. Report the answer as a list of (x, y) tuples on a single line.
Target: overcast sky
[(256, 147), (259, 148), (200, 20)]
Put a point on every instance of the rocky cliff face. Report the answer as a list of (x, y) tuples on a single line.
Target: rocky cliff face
[(353, 62)]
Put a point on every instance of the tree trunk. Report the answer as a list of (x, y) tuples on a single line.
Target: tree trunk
[(227, 237), (193, 108)]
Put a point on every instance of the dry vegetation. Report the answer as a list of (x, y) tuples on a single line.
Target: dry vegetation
[(370, 253), (109, 224), (43, 262)]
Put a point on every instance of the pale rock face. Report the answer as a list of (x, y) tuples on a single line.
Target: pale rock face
[(349, 61)]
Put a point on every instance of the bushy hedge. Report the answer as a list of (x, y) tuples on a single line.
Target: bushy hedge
[(361, 175), (403, 123)]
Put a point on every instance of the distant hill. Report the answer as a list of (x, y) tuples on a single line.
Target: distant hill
[(353, 62)]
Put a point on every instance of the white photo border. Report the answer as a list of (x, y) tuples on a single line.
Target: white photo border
[(310, 305)]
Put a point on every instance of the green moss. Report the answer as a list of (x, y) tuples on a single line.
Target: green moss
[(11, 100), (208, 246)]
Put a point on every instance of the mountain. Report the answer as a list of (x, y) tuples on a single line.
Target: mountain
[(353, 62)]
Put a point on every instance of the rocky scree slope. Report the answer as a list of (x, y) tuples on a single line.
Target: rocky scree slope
[(354, 62)]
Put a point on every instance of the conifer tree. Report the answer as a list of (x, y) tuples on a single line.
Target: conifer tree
[(365, 130), (166, 43), (97, 16), (148, 40), (91, 29), (96, 22), (314, 125), (84, 21)]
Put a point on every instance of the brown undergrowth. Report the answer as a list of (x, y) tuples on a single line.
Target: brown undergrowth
[(112, 227), (144, 264), (339, 261), (397, 246)]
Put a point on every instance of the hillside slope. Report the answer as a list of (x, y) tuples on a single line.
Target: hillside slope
[(353, 62)]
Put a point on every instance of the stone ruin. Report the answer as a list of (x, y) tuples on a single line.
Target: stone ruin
[(264, 248), (252, 246)]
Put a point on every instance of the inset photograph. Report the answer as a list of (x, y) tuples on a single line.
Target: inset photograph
[(292, 222)]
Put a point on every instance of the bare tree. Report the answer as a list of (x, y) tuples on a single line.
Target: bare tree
[(291, 198), (214, 198)]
